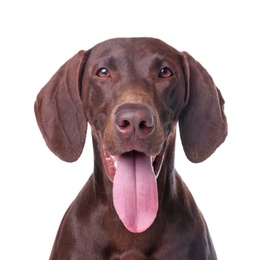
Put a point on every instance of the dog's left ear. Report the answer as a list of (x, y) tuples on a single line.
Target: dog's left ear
[(59, 111), (203, 125)]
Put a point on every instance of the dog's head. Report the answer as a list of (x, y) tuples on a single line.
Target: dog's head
[(140, 70), (133, 92)]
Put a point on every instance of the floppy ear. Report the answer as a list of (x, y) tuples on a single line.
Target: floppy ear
[(59, 112), (203, 125)]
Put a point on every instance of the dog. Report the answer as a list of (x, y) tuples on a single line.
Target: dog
[(133, 92)]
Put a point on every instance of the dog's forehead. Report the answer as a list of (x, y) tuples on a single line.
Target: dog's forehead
[(132, 47)]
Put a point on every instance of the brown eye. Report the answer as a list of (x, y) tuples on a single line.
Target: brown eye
[(103, 73), (165, 73)]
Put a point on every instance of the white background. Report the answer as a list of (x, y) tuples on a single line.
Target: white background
[(229, 38)]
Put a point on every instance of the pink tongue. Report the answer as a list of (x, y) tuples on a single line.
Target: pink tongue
[(135, 192)]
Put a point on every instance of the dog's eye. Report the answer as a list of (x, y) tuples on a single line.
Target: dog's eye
[(103, 73), (165, 73)]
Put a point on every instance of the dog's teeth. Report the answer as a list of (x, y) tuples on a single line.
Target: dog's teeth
[(114, 160)]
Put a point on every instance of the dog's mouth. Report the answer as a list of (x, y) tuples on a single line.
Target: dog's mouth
[(135, 193), (111, 162)]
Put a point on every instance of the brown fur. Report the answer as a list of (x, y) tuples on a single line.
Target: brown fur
[(91, 228)]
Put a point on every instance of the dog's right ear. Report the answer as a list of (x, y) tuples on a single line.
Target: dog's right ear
[(59, 112)]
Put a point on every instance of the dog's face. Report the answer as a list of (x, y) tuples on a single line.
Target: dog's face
[(132, 92), (133, 80)]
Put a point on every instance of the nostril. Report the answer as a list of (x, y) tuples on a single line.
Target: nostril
[(146, 124), (142, 124), (145, 128), (124, 123)]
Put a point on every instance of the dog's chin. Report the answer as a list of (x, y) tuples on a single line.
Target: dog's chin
[(110, 161)]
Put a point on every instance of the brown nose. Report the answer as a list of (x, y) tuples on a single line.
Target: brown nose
[(134, 121)]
